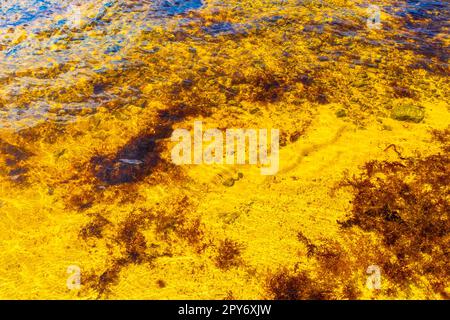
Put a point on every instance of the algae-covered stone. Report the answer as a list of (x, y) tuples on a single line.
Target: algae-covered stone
[(229, 217), (408, 112), (341, 113), (229, 182)]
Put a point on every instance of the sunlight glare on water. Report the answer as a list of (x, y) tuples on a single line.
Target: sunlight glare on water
[(57, 30), (48, 34), (91, 93)]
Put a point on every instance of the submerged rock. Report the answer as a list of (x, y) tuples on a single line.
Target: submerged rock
[(408, 112)]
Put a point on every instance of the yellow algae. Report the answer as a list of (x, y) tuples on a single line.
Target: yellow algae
[(86, 177)]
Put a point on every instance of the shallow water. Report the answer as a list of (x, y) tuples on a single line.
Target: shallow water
[(16, 13), (44, 35), (90, 94), (48, 24)]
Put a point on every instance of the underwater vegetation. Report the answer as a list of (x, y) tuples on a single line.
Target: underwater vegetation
[(407, 205), (403, 203), (88, 106)]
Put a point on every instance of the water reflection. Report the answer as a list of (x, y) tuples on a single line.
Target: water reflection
[(47, 50)]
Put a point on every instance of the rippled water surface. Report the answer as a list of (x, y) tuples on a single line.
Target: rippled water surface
[(91, 91), (38, 36)]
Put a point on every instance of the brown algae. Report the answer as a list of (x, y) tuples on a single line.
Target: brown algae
[(86, 178)]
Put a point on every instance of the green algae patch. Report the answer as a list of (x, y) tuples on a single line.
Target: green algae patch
[(408, 112)]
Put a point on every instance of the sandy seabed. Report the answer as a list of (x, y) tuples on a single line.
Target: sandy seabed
[(364, 150)]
